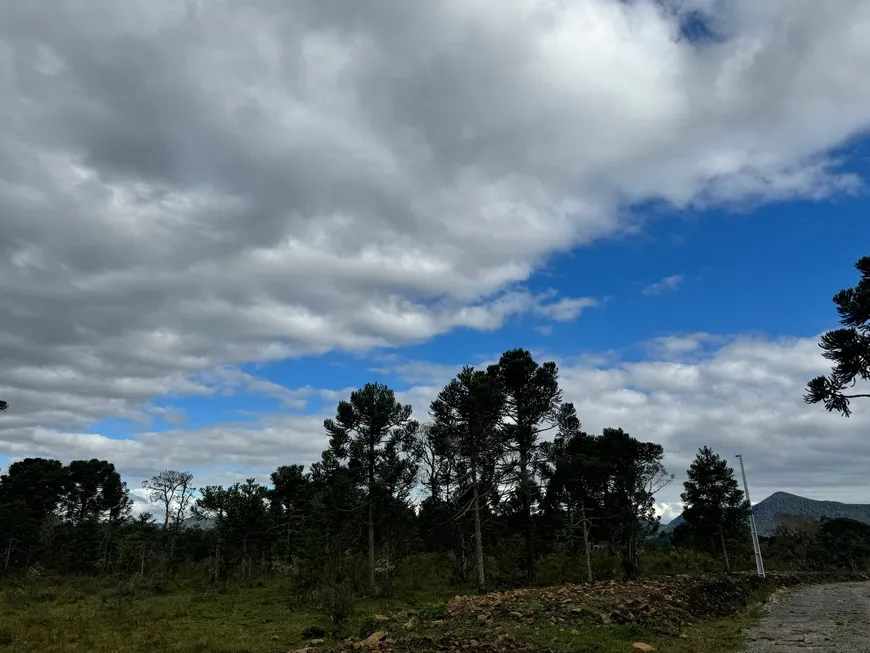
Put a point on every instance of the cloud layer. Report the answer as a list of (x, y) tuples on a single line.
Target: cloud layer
[(189, 185)]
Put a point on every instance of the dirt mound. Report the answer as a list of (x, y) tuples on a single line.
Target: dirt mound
[(484, 623), (664, 605)]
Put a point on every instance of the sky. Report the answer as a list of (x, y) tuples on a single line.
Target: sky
[(219, 218)]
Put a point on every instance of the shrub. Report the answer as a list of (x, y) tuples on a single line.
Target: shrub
[(433, 611), (335, 603), (313, 632), (422, 571), (366, 626)]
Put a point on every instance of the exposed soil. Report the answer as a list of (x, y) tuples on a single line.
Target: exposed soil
[(485, 623), (664, 605)]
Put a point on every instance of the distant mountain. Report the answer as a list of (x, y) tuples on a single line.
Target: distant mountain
[(193, 522), (769, 511)]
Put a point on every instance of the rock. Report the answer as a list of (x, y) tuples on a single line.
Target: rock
[(640, 646), (372, 641), (381, 618), (319, 640), (409, 625), (483, 617)]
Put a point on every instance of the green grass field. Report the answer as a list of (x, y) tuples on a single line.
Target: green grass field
[(86, 617)]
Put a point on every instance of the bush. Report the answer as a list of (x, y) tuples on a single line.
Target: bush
[(335, 603), (560, 568), (433, 611), (366, 626), (422, 572), (313, 632), (679, 561)]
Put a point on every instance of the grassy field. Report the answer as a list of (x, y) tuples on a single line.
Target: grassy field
[(720, 636), (266, 617)]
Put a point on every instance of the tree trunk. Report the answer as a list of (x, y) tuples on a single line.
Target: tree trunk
[(217, 548), (724, 551), (527, 514), (8, 554), (372, 579), (460, 559), (586, 540), (631, 563), (217, 560), (371, 520), (289, 531), (478, 537)]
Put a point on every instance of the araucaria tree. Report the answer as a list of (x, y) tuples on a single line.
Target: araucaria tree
[(635, 474), (532, 399), (576, 481), (714, 507), (94, 490), (467, 416), (848, 348), (376, 435)]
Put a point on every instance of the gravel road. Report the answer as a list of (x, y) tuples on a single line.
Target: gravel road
[(821, 618)]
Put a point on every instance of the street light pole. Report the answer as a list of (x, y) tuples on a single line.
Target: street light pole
[(759, 564)]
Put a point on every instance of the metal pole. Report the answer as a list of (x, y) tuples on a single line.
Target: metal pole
[(759, 564)]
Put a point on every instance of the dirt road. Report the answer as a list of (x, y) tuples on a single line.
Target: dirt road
[(820, 618)]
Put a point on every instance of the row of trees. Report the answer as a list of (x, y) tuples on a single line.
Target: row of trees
[(478, 475), (459, 486)]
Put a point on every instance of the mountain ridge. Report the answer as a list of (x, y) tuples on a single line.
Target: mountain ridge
[(769, 511)]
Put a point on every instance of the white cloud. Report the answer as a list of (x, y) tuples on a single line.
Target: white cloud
[(567, 308), (682, 345), (665, 285), (185, 187), (668, 511)]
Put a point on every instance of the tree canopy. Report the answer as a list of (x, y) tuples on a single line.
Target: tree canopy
[(848, 348), (714, 507)]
